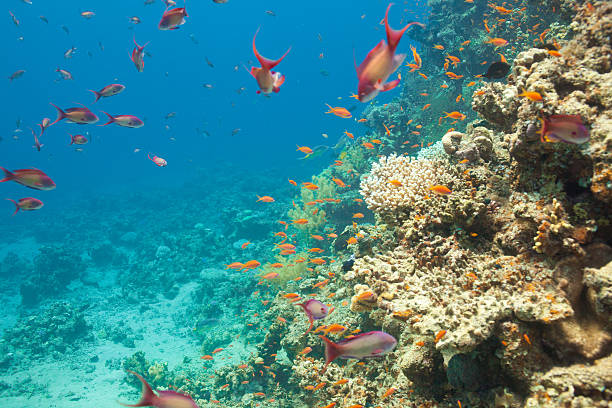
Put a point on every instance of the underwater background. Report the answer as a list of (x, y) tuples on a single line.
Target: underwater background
[(454, 229)]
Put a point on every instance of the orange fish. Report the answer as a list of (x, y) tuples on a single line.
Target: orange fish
[(439, 336), (426, 106), (388, 393), (292, 182), (358, 215), (497, 42), (268, 80), (341, 382), (396, 183), (235, 265), (438, 47), (455, 115), (271, 275), (244, 245), (423, 75), (265, 199), (532, 96), (349, 134), (368, 145), (339, 111), (305, 149), (338, 182), (441, 190), (306, 351)]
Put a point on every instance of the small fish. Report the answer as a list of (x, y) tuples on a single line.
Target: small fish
[(235, 131), (497, 42), (439, 336), (388, 393), (26, 204), (32, 178), (270, 13), (66, 30), (15, 20), (365, 345), (88, 14), (157, 160), (78, 139), (339, 111), (267, 80), (17, 74), (172, 19), (67, 76), (161, 399), (44, 19), (532, 96), (455, 115), (265, 199), (440, 190), (138, 56), (81, 116), (135, 20), (564, 128), (315, 310), (130, 121), (108, 90)]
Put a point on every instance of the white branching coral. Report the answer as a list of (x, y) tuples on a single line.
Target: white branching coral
[(400, 182)]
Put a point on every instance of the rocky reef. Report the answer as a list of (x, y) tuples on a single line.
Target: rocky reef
[(498, 290)]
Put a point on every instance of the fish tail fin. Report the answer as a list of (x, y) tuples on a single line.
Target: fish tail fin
[(16, 205), (8, 176), (111, 119), (147, 397), (332, 352), (95, 93), (71, 139), (60, 114), (265, 62), (394, 36)]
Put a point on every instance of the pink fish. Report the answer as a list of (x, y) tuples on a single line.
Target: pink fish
[(138, 56), (365, 345), (160, 399), (564, 128), (46, 122), (37, 144), (158, 160), (315, 310), (130, 121), (108, 90), (268, 81), (82, 116), (26, 204), (380, 63), (78, 139), (172, 19), (32, 178)]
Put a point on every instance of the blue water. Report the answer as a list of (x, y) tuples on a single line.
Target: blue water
[(108, 183)]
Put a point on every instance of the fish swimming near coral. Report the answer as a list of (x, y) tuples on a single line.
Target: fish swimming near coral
[(160, 399), (316, 152), (315, 310), (380, 63), (365, 345), (497, 70), (564, 128)]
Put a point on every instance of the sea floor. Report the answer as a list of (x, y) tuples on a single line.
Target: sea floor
[(92, 376)]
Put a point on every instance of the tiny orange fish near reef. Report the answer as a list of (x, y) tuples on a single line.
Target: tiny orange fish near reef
[(439, 336), (265, 199), (497, 42), (440, 190), (388, 393), (532, 96)]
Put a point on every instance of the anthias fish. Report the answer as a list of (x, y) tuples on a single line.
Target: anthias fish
[(315, 310), (82, 116), (108, 90), (32, 178), (564, 128), (172, 19), (160, 399), (365, 345), (380, 63), (268, 80), (138, 56), (27, 204), (130, 121)]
